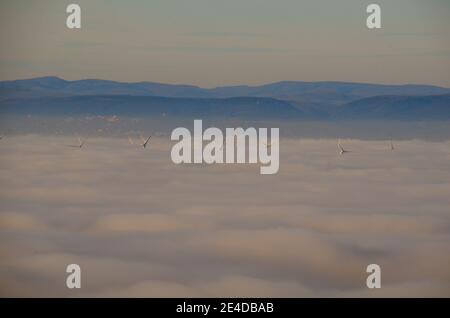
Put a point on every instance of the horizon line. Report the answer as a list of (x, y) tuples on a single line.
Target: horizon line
[(221, 86)]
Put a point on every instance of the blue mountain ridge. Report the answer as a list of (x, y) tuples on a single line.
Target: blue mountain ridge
[(289, 100)]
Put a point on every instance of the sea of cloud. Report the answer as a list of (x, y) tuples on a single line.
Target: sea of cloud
[(139, 225)]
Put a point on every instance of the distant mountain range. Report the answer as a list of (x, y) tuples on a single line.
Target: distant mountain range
[(294, 100), (127, 105), (398, 107)]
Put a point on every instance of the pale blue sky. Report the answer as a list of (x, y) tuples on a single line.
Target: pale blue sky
[(216, 42)]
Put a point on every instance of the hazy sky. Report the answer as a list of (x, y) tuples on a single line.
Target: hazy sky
[(216, 42)]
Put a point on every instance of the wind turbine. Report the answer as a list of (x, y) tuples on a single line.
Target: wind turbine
[(80, 143), (342, 150), (145, 142)]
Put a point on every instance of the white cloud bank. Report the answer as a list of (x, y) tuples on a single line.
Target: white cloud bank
[(139, 225)]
